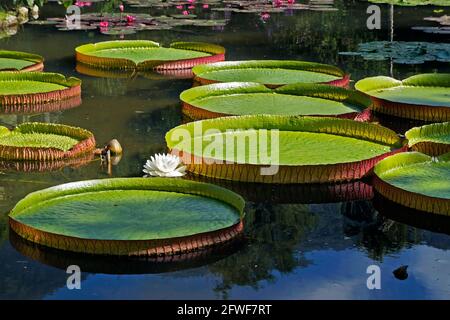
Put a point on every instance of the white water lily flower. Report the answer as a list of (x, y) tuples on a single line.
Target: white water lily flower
[(164, 165)]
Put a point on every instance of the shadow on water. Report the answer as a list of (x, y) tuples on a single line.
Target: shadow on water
[(122, 265), (415, 218), (295, 193)]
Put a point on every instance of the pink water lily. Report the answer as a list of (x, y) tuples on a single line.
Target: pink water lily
[(265, 16), (278, 3), (179, 7), (205, 6), (131, 19), (82, 4), (121, 8), (104, 24), (185, 13)]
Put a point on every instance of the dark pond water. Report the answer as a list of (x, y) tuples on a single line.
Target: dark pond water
[(301, 243)]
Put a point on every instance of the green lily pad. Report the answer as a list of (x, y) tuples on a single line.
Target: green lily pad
[(272, 73), (40, 142), (27, 86), (17, 138), (143, 54), (422, 97), (416, 180), (247, 98), (25, 91), (128, 216), (14, 60), (432, 139), (306, 149)]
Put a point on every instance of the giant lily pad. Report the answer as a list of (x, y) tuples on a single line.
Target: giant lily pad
[(20, 61), (272, 73), (148, 55), (25, 90), (422, 97), (44, 142), (416, 180), (282, 149), (129, 216), (242, 98), (432, 139)]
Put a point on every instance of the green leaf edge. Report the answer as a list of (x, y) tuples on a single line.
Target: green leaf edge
[(405, 159), (49, 128), (271, 64), (330, 125), (321, 91), (49, 77), (420, 80), (19, 55), (156, 184), (86, 49), (427, 132)]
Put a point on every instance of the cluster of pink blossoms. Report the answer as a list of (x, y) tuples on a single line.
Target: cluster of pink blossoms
[(82, 4), (191, 6)]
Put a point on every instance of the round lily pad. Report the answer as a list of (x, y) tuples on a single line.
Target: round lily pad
[(248, 98), (20, 61), (22, 90), (422, 97), (129, 216), (272, 73), (44, 142), (282, 149), (415, 180), (432, 139), (148, 55)]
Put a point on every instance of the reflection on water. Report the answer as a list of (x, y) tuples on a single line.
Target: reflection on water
[(300, 241)]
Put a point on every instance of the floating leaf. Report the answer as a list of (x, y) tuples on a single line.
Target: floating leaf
[(147, 55), (129, 216), (432, 139), (272, 73), (21, 61), (304, 149), (415, 180), (246, 98), (422, 97)]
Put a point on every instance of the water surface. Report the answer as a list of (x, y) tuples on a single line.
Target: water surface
[(301, 243)]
